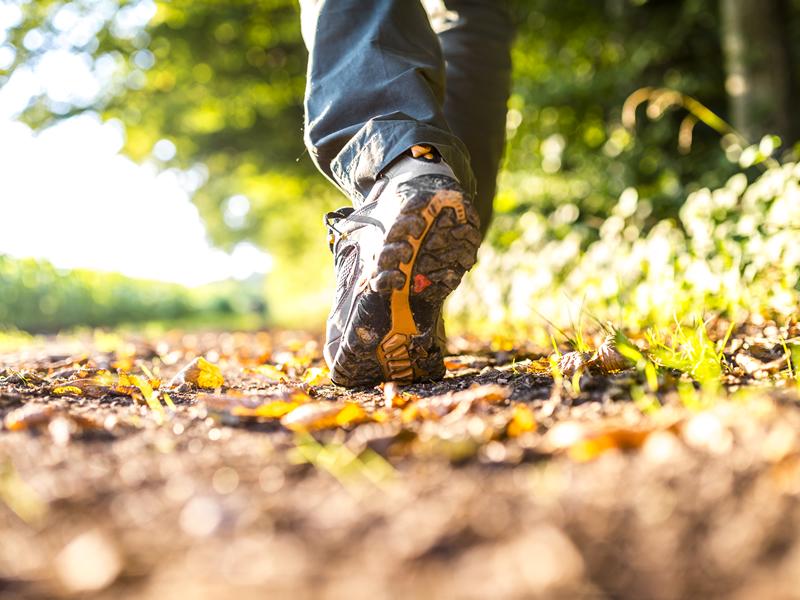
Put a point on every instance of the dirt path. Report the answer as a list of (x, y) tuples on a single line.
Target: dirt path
[(517, 488)]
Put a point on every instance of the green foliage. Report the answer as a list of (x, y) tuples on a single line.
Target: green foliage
[(690, 351), (36, 297), (575, 63), (221, 83), (732, 251)]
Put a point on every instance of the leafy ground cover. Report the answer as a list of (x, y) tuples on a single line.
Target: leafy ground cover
[(731, 251), (661, 464)]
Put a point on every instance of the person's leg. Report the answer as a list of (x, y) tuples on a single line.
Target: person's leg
[(375, 88), (376, 127), (476, 37)]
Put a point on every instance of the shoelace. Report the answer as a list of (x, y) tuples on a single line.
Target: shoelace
[(419, 151), (334, 217)]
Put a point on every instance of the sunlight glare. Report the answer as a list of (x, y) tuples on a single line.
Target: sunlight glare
[(67, 196)]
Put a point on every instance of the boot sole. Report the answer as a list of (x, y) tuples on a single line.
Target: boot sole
[(428, 249)]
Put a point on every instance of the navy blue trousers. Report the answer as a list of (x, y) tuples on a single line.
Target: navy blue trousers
[(384, 75)]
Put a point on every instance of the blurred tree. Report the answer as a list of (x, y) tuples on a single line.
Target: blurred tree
[(575, 63), (760, 79), (215, 87), (37, 297)]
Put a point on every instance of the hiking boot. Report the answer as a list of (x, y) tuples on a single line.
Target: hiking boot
[(397, 257)]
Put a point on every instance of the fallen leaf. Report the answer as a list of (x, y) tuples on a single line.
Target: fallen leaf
[(270, 372), (394, 397), (323, 415), (608, 359), (758, 369), (268, 410), (61, 424), (614, 439), (411, 413), (101, 376), (67, 390), (317, 376), (124, 363), (572, 362), (454, 364), (96, 383), (201, 373), (436, 407), (381, 416), (254, 407), (540, 366), (583, 443), (90, 387), (148, 393), (28, 417), (522, 420), (485, 393)]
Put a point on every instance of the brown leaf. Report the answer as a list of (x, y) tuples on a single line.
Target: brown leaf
[(541, 366), (61, 424), (583, 442), (756, 368), (608, 359), (613, 439), (96, 383), (572, 362), (28, 417), (81, 387), (436, 407)]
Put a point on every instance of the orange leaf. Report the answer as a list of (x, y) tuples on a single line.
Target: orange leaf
[(522, 420), (323, 415), (255, 407), (268, 410), (454, 364), (28, 417)]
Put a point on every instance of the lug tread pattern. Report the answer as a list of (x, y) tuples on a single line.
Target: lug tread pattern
[(370, 352)]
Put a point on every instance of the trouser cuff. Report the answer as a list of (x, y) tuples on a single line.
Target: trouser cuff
[(381, 140)]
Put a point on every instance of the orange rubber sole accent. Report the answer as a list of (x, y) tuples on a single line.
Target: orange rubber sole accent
[(394, 351)]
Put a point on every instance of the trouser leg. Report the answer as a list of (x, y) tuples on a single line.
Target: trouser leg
[(375, 87), (476, 37)]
